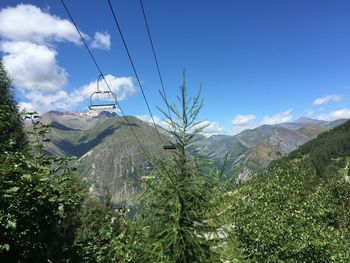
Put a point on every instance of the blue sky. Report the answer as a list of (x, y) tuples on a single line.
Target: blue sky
[(258, 61)]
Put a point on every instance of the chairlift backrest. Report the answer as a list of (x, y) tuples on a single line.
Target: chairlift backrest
[(96, 103)]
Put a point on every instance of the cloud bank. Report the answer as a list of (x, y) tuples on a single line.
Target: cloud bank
[(334, 115), (101, 41), (30, 23), (123, 87), (33, 66), (212, 128), (243, 122), (326, 99), (28, 35), (281, 117)]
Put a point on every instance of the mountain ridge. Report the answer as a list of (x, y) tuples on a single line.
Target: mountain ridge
[(109, 155)]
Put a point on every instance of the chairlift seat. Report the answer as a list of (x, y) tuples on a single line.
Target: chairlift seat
[(102, 106), (97, 103), (169, 147)]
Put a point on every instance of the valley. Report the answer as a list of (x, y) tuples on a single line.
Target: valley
[(110, 159)]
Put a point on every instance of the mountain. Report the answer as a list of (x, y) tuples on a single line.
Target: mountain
[(109, 155), (324, 150), (253, 150), (77, 120)]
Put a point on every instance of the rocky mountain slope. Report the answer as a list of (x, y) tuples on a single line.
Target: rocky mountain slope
[(254, 149), (110, 157)]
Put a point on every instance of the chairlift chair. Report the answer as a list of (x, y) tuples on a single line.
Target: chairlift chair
[(169, 147), (96, 103)]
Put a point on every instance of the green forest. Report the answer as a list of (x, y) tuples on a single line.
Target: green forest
[(188, 210)]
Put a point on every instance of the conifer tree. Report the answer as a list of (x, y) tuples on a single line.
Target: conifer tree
[(174, 203)]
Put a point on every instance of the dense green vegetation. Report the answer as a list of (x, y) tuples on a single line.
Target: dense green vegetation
[(43, 204), (328, 146), (299, 210), (11, 136), (188, 211)]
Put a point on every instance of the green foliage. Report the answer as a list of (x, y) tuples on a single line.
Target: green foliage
[(11, 136), (174, 202), (46, 215), (299, 210), (289, 215), (100, 235), (327, 146), (39, 196)]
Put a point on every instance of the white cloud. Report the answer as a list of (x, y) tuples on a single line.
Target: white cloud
[(243, 122), (30, 59), (158, 121), (26, 106), (212, 128), (326, 99), (309, 112), (338, 114), (30, 23), (33, 66), (123, 87), (281, 117), (101, 41), (28, 34), (62, 100)]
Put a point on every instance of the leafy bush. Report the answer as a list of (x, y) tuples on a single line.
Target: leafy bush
[(290, 215)]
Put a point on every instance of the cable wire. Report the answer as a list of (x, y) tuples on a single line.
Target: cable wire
[(154, 56), (134, 69), (147, 155), (103, 76)]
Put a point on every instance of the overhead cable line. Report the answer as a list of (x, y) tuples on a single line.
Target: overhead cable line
[(103, 76), (147, 155), (154, 56), (134, 68)]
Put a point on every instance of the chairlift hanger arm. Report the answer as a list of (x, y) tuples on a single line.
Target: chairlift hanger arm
[(98, 81)]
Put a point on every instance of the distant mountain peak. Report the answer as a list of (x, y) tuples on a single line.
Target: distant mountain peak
[(107, 114), (306, 120), (83, 114), (60, 113), (80, 120)]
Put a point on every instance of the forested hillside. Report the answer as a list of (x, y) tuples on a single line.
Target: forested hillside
[(299, 210), (327, 148)]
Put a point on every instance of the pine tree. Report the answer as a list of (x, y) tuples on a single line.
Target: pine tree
[(174, 203)]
